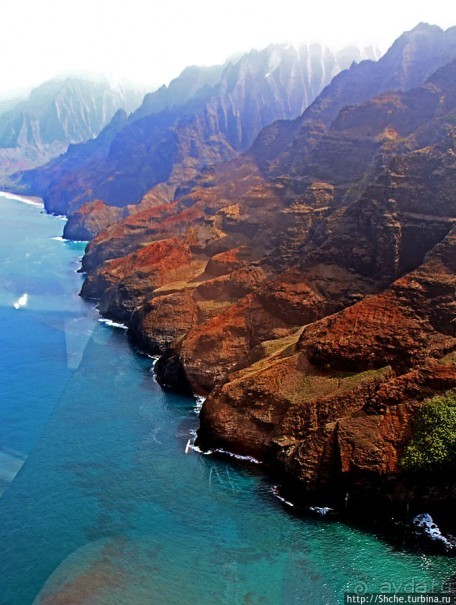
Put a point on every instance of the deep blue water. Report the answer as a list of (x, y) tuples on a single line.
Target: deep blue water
[(101, 505)]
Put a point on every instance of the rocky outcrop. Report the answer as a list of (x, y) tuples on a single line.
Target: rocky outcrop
[(121, 284), (404, 325), (162, 320), (90, 219), (335, 407), (338, 257)]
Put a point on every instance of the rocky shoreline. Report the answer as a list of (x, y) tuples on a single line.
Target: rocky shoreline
[(307, 288), (319, 363), (399, 507), (392, 507)]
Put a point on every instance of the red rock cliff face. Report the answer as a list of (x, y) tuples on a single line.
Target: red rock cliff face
[(339, 253), (316, 310), (335, 403), (90, 219)]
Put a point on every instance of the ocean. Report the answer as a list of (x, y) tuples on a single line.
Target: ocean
[(100, 503)]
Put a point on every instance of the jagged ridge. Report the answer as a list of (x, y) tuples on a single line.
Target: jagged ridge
[(311, 294), (58, 113), (205, 115)]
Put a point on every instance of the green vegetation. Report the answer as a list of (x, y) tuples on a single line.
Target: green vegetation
[(433, 445), (320, 383)]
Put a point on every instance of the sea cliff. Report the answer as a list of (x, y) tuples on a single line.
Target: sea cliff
[(307, 288)]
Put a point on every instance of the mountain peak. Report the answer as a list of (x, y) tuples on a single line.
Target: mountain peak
[(426, 27)]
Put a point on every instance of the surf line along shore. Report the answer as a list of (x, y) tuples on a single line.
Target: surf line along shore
[(25, 199)]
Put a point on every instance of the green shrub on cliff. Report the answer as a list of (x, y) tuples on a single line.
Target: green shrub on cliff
[(433, 445)]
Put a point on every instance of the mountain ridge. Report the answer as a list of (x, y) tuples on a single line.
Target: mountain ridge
[(56, 114), (185, 126), (315, 309)]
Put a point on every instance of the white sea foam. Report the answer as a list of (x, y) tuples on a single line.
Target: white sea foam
[(237, 456), (219, 450), (154, 358), (276, 492), (197, 449), (59, 238), (21, 301), (112, 324), (199, 401), (321, 510), (427, 526), (23, 200)]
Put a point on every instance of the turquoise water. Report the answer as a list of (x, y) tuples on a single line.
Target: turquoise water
[(102, 506)]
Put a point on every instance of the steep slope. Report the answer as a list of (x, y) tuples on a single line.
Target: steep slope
[(336, 258), (315, 309), (332, 171), (392, 220), (412, 58), (203, 117), (281, 148), (335, 407), (56, 114)]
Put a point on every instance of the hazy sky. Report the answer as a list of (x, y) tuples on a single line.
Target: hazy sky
[(152, 41)]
